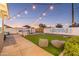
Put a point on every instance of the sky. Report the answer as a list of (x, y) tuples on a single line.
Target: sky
[(61, 13)]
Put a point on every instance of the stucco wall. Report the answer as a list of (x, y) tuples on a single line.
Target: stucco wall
[(14, 30), (11, 30)]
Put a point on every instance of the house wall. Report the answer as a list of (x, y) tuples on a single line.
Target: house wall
[(26, 31), (33, 30), (11, 30), (16, 30), (64, 31)]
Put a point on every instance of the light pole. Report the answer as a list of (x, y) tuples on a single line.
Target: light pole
[(73, 21)]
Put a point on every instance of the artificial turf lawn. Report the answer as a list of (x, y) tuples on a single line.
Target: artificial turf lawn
[(50, 48)]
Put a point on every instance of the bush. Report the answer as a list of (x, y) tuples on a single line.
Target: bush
[(72, 47)]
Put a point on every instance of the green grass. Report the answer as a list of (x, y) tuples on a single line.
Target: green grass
[(53, 50)]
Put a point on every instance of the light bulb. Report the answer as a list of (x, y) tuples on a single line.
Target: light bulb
[(34, 7), (51, 7), (26, 12), (44, 14), (18, 15), (40, 17)]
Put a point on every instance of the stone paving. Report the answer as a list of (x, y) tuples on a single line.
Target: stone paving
[(16, 45)]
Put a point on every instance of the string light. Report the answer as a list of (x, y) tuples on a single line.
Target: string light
[(40, 17), (51, 7), (44, 14), (26, 12), (18, 15), (34, 7)]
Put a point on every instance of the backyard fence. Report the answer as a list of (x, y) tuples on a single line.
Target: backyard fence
[(64, 31)]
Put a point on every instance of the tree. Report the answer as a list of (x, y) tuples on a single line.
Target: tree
[(42, 26), (59, 26), (75, 25), (27, 26)]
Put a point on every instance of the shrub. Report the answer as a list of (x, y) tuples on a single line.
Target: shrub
[(72, 47)]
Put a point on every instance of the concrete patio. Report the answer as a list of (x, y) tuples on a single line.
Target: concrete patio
[(16, 45)]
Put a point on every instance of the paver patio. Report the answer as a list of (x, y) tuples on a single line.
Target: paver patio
[(16, 45)]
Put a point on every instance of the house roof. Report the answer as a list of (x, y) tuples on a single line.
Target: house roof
[(7, 26)]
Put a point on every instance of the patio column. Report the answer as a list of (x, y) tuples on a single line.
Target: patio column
[(2, 22), (3, 14)]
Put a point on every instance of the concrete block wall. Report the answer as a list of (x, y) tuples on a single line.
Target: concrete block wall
[(70, 31)]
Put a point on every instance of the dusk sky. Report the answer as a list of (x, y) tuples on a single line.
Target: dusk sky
[(61, 13)]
